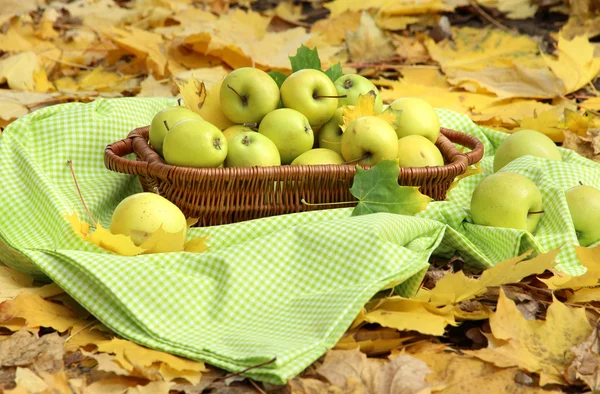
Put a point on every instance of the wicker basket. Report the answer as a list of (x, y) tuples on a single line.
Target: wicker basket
[(228, 195)]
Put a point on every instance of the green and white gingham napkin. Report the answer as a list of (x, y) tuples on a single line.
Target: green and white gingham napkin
[(283, 288)]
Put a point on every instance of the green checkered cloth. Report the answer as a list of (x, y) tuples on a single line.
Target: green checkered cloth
[(283, 288)]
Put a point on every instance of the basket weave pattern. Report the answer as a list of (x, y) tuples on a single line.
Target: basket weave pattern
[(228, 195)]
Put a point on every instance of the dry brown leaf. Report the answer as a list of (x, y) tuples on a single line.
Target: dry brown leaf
[(368, 43), (582, 145), (43, 354), (536, 346), (401, 374), (586, 363)]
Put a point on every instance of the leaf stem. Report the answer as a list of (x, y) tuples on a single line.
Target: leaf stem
[(342, 96), (70, 163)]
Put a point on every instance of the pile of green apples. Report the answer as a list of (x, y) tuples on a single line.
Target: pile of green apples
[(511, 200), (298, 123)]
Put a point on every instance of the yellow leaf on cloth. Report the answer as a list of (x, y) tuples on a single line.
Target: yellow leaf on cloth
[(117, 243), (13, 283), (411, 315), (534, 345), (369, 43), (548, 123), (463, 374), (38, 312), (590, 259), (19, 70), (131, 356), (576, 65), (196, 245), (333, 30), (143, 44)]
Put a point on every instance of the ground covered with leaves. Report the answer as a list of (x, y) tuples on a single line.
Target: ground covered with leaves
[(519, 327)]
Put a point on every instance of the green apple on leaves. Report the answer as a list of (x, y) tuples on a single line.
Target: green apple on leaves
[(248, 94), (318, 156), (234, 130), (507, 199), (163, 121), (249, 149), (330, 134), (368, 140), (311, 93), (418, 151), (195, 143), (353, 85), (416, 116), (290, 131), (525, 142), (584, 206)]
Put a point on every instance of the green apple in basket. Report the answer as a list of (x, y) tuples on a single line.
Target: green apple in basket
[(195, 143), (418, 151), (368, 140), (235, 130), (250, 149), (330, 134), (311, 93), (584, 206), (525, 142), (353, 85), (415, 116), (163, 121), (248, 94), (318, 156), (290, 131), (507, 199)]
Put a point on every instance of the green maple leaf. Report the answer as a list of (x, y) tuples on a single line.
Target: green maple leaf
[(377, 190), (309, 58), (277, 77)]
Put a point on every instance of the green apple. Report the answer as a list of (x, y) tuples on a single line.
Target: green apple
[(235, 130), (290, 131), (584, 205), (353, 85), (248, 94), (195, 143), (312, 93), (330, 134), (416, 116), (522, 143), (418, 151), (368, 140), (140, 215), (163, 121), (507, 199), (250, 149), (318, 156)]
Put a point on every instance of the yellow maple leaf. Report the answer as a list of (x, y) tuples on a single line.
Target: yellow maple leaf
[(117, 243), (411, 315), (577, 123), (547, 123), (373, 341), (13, 283), (144, 44), (576, 64), (592, 104), (333, 29), (193, 93), (590, 259), (365, 106), (18, 71), (32, 311), (535, 345), (196, 245)]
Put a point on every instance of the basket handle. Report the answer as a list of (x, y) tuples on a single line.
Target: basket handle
[(114, 161), (476, 146)]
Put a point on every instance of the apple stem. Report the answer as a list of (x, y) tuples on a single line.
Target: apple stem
[(253, 126), (243, 98), (70, 163), (367, 155), (581, 183), (318, 97), (535, 212), (179, 101), (303, 201), (166, 125)]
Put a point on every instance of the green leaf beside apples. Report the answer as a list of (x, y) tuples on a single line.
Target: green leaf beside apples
[(334, 72), (278, 77), (309, 58), (377, 190)]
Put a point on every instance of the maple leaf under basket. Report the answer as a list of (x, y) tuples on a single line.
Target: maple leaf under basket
[(228, 195)]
